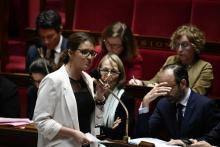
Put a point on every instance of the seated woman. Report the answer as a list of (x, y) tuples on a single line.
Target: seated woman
[(188, 41), (117, 38), (112, 73), (38, 70)]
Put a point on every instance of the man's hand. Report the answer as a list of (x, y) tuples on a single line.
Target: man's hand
[(200, 144), (158, 90)]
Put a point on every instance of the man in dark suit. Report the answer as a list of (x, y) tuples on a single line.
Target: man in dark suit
[(51, 42), (9, 99), (197, 116)]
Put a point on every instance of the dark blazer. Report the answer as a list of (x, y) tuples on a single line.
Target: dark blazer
[(9, 99), (200, 117), (33, 53), (32, 98)]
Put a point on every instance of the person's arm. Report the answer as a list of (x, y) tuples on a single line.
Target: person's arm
[(44, 115), (144, 122), (77, 135), (154, 79), (117, 131), (135, 68), (32, 54), (204, 81), (200, 144)]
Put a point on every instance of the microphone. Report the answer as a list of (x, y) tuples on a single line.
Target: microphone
[(126, 138)]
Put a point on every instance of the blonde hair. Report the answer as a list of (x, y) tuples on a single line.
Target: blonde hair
[(195, 36), (114, 58)]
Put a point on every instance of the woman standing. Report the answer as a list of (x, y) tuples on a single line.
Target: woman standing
[(65, 108)]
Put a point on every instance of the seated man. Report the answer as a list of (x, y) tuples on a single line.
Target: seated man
[(9, 99), (180, 112), (51, 42)]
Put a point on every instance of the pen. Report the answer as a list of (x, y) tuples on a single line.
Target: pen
[(134, 79)]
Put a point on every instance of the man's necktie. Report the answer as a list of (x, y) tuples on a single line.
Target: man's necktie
[(179, 114)]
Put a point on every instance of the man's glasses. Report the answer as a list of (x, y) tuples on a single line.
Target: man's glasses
[(183, 45), (106, 71), (87, 52), (111, 45)]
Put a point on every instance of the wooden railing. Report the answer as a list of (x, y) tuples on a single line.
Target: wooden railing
[(20, 79)]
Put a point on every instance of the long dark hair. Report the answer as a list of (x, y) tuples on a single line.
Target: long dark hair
[(121, 30)]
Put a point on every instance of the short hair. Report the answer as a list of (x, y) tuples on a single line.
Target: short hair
[(121, 30), (179, 71), (74, 41), (40, 65), (195, 36), (114, 58), (48, 19)]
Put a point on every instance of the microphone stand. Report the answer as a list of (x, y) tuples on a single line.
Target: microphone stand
[(126, 138)]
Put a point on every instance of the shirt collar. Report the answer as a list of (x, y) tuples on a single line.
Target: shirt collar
[(186, 98), (58, 47)]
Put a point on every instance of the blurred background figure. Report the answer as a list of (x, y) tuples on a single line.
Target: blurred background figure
[(9, 99), (112, 72), (51, 42), (37, 70), (188, 41), (118, 38)]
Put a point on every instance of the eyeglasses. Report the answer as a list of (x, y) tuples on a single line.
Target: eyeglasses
[(183, 45), (111, 45), (87, 52), (106, 71)]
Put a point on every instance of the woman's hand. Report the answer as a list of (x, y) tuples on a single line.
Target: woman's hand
[(101, 89), (135, 82), (158, 90), (176, 142), (80, 138), (116, 123)]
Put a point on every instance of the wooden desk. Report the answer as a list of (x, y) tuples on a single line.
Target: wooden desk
[(121, 143), (16, 137)]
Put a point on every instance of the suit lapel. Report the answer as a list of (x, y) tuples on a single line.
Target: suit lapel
[(188, 114), (70, 99)]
